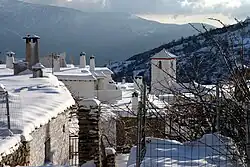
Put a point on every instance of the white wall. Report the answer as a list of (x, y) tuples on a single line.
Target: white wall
[(107, 96), (107, 85), (161, 79), (83, 89)]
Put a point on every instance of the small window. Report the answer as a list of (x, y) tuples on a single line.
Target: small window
[(160, 65), (63, 128), (172, 65), (47, 149)]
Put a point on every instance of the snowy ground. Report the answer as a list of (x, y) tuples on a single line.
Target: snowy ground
[(211, 150), (121, 160)]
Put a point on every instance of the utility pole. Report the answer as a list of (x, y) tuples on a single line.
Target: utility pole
[(246, 108), (52, 59), (218, 106), (144, 114), (141, 126), (8, 109), (139, 135)]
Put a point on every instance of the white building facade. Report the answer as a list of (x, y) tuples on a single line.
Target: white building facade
[(163, 72), (88, 81)]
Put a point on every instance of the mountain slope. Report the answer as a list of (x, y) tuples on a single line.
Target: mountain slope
[(109, 36), (198, 57)]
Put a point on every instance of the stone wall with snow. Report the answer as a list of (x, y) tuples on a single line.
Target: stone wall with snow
[(49, 142), (55, 135), (43, 134)]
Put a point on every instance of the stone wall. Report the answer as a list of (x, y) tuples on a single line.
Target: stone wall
[(89, 135), (55, 134), (19, 157), (126, 131), (33, 153), (110, 157)]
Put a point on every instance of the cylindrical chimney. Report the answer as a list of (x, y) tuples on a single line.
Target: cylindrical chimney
[(123, 80), (28, 48), (10, 60), (82, 60), (138, 83), (36, 49), (135, 102), (32, 50), (92, 63), (56, 63)]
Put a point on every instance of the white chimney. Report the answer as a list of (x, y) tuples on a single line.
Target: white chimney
[(56, 64), (10, 59), (123, 80), (82, 60), (138, 83), (92, 63), (135, 102)]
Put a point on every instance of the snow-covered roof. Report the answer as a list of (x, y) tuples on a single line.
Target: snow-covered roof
[(164, 54), (99, 74), (74, 73), (123, 107), (126, 86), (40, 100), (77, 73)]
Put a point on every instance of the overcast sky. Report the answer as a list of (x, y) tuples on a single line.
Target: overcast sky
[(179, 11)]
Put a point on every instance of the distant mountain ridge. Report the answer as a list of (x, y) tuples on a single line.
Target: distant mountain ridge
[(109, 36), (197, 52)]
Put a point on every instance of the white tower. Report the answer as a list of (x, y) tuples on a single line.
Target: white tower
[(163, 72)]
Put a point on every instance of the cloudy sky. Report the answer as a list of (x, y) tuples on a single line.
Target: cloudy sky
[(167, 11)]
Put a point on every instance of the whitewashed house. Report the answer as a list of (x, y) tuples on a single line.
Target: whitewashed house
[(88, 81)]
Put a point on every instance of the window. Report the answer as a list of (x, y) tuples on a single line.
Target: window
[(160, 65), (47, 158), (63, 128)]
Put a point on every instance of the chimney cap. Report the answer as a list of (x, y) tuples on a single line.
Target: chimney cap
[(82, 54), (135, 94), (28, 36), (10, 53), (138, 77), (92, 57)]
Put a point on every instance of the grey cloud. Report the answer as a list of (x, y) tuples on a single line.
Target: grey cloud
[(173, 7)]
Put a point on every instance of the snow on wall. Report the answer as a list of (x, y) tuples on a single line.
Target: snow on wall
[(41, 100), (210, 150)]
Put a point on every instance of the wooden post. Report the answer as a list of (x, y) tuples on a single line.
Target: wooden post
[(8, 109), (218, 107), (246, 107)]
